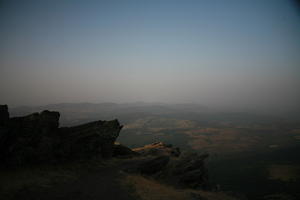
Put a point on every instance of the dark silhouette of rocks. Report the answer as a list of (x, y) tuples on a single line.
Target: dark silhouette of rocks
[(186, 170), (154, 165), (37, 138), (122, 151), (190, 171), (91, 139), (4, 115)]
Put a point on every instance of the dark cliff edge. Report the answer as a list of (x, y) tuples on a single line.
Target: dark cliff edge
[(37, 138)]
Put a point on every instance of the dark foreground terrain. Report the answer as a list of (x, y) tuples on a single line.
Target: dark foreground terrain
[(110, 180), (250, 156), (40, 160), (81, 184)]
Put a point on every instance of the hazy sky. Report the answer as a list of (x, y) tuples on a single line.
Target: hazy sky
[(214, 52)]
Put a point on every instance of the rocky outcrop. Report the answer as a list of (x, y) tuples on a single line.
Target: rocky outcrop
[(158, 149), (91, 139), (4, 115), (37, 138), (191, 171), (122, 151), (187, 170), (29, 139), (154, 165)]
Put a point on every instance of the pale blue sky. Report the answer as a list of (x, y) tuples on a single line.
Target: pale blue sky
[(214, 52)]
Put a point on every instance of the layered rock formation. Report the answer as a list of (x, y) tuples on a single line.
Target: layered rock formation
[(190, 171), (166, 162), (158, 149), (37, 138), (122, 151)]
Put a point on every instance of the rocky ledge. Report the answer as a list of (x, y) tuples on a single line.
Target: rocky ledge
[(37, 138), (165, 162)]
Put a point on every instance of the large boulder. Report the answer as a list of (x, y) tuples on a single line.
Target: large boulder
[(91, 139)]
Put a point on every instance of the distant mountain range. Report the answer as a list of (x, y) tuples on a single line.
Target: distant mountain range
[(76, 113)]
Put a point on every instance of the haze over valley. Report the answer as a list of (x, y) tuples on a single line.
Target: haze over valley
[(192, 99)]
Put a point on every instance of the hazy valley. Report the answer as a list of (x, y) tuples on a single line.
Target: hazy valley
[(150, 100), (250, 154)]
